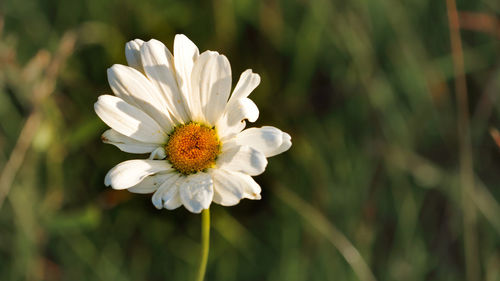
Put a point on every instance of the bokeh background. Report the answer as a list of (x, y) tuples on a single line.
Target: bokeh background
[(371, 189)]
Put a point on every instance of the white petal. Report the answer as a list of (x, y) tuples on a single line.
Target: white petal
[(132, 172), (185, 54), (268, 140), (128, 120), (133, 54), (247, 83), (150, 183), (133, 87), (242, 159), (228, 132), (239, 107), (196, 77), (211, 82), (196, 192), (228, 188), (174, 202), (127, 144), (167, 194), (285, 145), (215, 88), (242, 109), (232, 122), (158, 153), (158, 66), (251, 188)]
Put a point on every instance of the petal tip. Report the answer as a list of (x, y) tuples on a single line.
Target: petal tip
[(286, 142), (107, 179), (180, 36)]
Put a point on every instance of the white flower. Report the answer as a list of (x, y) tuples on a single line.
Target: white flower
[(180, 110)]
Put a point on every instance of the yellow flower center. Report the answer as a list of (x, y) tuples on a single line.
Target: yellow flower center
[(192, 148)]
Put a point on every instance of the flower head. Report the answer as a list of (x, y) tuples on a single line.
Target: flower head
[(179, 109)]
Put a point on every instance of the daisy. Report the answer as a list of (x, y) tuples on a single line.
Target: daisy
[(179, 108)]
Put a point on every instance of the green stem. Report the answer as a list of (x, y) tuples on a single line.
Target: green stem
[(205, 243)]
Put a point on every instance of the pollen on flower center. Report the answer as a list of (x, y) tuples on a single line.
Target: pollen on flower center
[(192, 148)]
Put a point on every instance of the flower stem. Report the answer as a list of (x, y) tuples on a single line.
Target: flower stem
[(205, 243)]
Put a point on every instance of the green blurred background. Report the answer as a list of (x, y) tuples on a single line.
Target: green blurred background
[(371, 188)]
